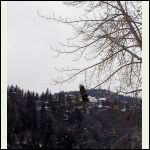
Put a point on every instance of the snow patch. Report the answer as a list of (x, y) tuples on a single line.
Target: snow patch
[(100, 106), (102, 99), (106, 106), (92, 99), (123, 110)]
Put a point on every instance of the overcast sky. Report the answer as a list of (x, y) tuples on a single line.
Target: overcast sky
[(30, 60)]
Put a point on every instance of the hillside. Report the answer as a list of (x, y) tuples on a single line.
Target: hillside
[(63, 121)]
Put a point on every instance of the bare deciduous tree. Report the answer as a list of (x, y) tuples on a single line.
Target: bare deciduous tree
[(109, 33)]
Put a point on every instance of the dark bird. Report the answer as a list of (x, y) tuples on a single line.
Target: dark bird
[(83, 93)]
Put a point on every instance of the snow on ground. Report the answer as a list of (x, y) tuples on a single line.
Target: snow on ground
[(100, 106), (123, 110), (102, 99), (92, 99), (106, 106)]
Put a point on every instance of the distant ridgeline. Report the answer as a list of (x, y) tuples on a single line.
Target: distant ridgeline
[(107, 94), (60, 121)]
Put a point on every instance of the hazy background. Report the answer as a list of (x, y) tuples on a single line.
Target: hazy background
[(30, 60)]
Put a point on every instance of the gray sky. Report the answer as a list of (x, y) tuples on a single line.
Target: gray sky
[(30, 62)]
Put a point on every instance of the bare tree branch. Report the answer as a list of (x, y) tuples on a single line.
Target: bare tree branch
[(109, 34)]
